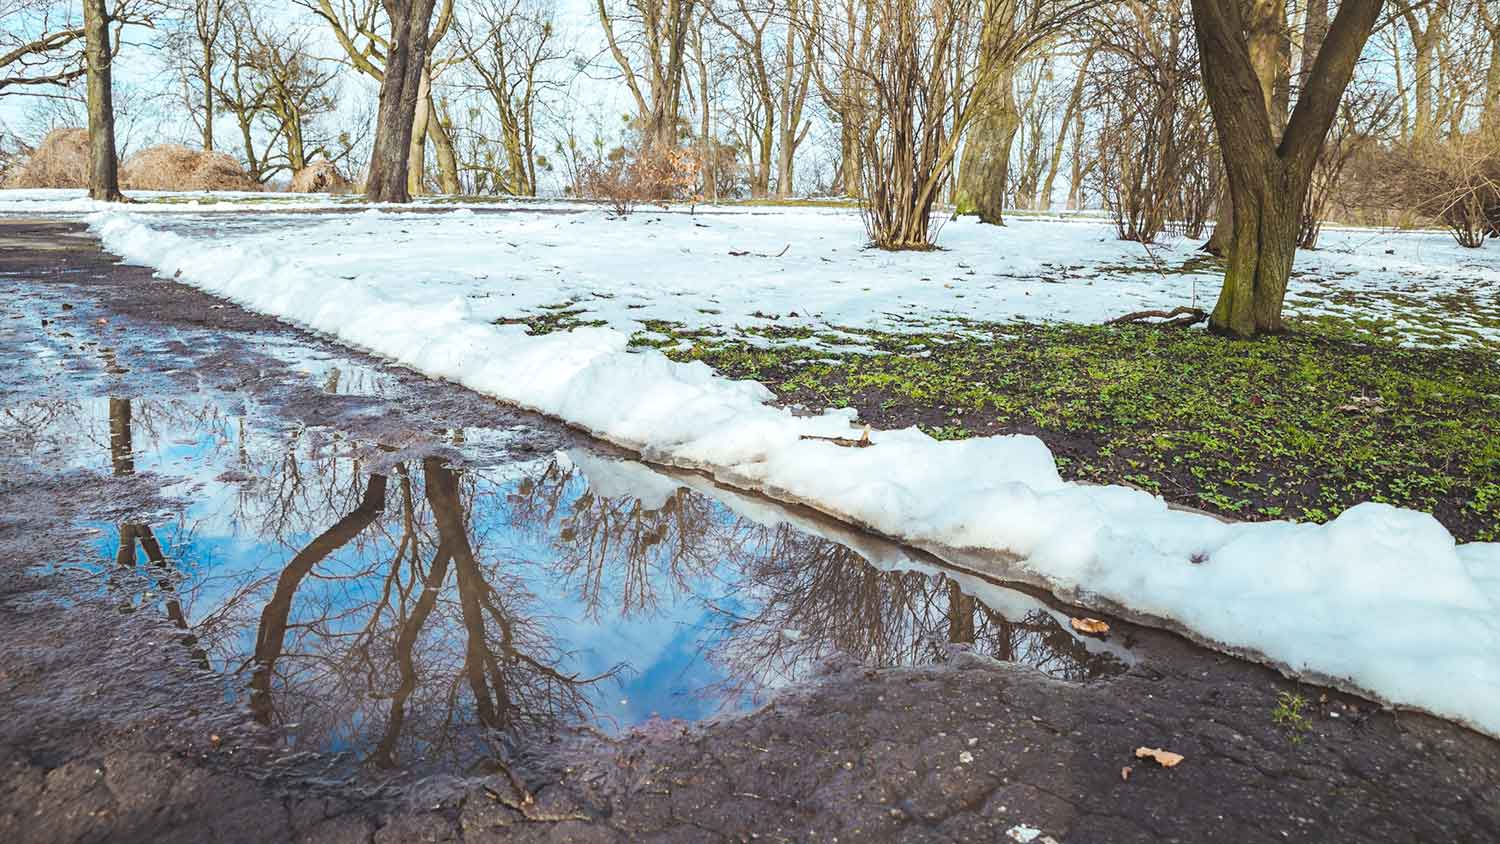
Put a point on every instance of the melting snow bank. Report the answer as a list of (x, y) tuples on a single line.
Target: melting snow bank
[(1379, 600)]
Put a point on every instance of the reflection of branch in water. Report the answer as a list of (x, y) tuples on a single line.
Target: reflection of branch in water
[(616, 541), (273, 619), (511, 676), (122, 463), (812, 598)]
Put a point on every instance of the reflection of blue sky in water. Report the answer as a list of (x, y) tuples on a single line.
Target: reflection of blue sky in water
[(588, 565), (215, 545)]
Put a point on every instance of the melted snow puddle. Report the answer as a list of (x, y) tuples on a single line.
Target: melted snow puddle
[(407, 605)]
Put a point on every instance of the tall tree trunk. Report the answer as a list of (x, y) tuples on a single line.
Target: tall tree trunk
[(1314, 27), (1270, 56), (1077, 170), (104, 165), (1490, 118), (442, 143), (399, 90), (849, 157), (208, 97), (416, 156), (985, 165)]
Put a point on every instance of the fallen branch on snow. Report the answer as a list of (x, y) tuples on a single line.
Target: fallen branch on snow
[(1179, 317), (743, 253), (862, 442)]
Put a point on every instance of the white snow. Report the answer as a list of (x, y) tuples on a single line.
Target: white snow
[(1380, 599)]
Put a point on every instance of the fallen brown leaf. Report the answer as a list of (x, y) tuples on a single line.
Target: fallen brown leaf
[(1165, 758), (1125, 773), (1089, 626)]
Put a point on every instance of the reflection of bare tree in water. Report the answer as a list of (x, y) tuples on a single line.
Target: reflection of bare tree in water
[(795, 598), (601, 541), (388, 667), (271, 635), (122, 464), (809, 598)]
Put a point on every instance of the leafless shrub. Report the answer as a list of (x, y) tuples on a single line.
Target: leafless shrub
[(1156, 157), (61, 160), (176, 167), (629, 176), (1455, 183), (914, 76), (1365, 113)]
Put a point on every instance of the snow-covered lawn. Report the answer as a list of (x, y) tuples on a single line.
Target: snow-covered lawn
[(1380, 599), (747, 266)]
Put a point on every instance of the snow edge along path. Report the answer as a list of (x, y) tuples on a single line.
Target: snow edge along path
[(1380, 598)]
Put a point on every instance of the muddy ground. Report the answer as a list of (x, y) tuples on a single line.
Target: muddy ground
[(110, 734)]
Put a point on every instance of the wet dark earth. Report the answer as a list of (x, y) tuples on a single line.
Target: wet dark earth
[(257, 587)]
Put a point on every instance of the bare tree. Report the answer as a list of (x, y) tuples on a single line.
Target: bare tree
[(656, 32), (774, 40), (377, 45), (104, 164), (275, 90), (510, 46), (41, 45), (195, 50), (930, 69)]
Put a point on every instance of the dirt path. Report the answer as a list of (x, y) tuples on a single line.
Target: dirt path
[(112, 734)]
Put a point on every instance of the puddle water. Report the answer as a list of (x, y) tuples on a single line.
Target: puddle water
[(411, 603)]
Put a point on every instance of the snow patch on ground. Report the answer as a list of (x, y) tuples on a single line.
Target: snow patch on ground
[(1380, 596)]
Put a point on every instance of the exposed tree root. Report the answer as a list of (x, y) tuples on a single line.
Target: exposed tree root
[(1180, 317)]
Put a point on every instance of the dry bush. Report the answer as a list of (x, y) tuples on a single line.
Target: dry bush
[(1455, 183), (61, 160), (627, 177), (1365, 114), (320, 176), (176, 167), (1158, 166)]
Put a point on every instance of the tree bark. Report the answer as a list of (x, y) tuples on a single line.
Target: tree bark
[(400, 87), (1314, 27), (442, 144), (104, 164), (1489, 118), (416, 156), (208, 96), (1268, 170), (985, 165)]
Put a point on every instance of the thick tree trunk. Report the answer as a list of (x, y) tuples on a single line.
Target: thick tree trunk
[(850, 164), (104, 165), (1314, 27), (399, 90), (785, 158), (985, 165), (1218, 239), (1266, 223)]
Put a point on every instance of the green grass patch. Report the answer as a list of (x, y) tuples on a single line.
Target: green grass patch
[(1300, 426)]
